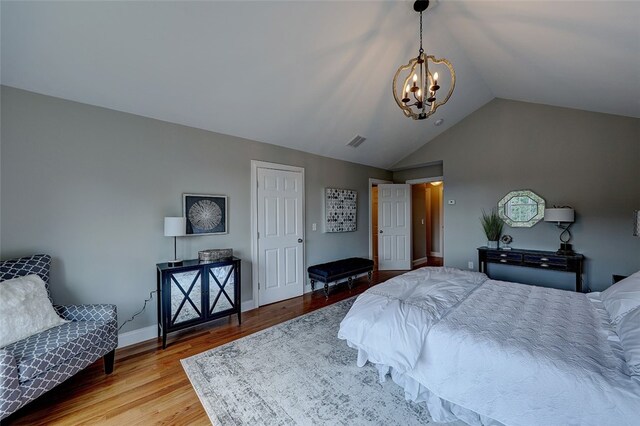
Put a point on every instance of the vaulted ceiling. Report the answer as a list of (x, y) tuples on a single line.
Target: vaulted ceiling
[(311, 75)]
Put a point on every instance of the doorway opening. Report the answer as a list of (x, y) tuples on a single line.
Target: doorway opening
[(427, 217)]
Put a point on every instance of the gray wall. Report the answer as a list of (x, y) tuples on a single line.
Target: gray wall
[(431, 170), (91, 187), (588, 160)]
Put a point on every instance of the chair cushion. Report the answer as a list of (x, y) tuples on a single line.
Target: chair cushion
[(340, 267), (44, 351), (38, 264)]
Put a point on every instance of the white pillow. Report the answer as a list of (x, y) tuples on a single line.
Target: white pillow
[(622, 297), (25, 309), (629, 333)]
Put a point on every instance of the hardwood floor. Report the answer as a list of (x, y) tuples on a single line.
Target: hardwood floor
[(148, 385)]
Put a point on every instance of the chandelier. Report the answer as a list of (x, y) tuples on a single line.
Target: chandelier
[(415, 88)]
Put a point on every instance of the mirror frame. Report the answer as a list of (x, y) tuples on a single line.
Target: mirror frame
[(502, 204)]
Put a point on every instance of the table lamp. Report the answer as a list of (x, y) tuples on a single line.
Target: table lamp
[(174, 227), (563, 218)]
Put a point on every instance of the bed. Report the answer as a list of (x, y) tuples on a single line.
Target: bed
[(492, 352)]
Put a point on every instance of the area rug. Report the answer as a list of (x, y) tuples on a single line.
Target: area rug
[(297, 373)]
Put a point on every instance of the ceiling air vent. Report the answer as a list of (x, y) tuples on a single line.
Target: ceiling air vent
[(357, 141)]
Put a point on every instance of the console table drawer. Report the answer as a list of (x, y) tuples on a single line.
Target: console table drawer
[(546, 261), (504, 257)]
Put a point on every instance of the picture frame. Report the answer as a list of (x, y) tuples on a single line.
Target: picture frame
[(341, 210), (205, 214)]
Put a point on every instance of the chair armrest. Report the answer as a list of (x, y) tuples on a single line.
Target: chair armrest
[(10, 395), (88, 312)]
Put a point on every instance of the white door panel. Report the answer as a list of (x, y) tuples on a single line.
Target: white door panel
[(280, 235), (394, 223)]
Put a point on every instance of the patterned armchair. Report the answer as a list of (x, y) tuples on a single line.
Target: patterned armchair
[(31, 367)]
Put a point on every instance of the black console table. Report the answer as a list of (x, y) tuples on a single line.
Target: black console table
[(196, 292), (533, 259)]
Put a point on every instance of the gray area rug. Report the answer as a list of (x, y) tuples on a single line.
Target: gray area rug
[(297, 373)]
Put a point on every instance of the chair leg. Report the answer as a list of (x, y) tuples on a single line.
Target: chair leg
[(369, 275), (109, 361)]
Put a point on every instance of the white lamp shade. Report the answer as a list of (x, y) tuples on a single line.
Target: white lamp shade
[(174, 226), (564, 215)]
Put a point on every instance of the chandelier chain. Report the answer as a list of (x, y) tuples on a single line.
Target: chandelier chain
[(421, 49)]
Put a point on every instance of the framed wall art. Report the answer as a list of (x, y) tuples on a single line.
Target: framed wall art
[(341, 210), (205, 214)]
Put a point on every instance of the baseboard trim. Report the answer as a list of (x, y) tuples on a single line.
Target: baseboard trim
[(417, 261), (151, 332), (247, 306), (136, 336)]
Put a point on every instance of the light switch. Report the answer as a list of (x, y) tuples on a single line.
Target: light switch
[(314, 226)]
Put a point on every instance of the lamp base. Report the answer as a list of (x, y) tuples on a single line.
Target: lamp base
[(566, 249), (175, 262)]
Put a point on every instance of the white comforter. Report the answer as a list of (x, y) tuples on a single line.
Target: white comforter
[(390, 321), (517, 354)]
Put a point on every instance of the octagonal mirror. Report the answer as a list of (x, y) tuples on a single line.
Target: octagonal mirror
[(521, 208)]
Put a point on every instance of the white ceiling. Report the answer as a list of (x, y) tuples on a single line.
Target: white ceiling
[(312, 75)]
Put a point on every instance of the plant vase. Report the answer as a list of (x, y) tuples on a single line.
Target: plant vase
[(492, 244)]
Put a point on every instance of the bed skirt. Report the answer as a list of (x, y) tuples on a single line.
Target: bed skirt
[(440, 409)]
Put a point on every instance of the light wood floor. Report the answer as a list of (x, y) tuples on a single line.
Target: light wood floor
[(148, 385)]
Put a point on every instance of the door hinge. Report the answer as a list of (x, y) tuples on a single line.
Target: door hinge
[(258, 286), (258, 235)]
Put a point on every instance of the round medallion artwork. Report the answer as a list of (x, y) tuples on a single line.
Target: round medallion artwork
[(205, 215)]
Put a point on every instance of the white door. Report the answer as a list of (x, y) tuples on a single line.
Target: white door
[(280, 235), (394, 224)]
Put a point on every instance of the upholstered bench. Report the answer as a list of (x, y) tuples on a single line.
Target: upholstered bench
[(339, 269)]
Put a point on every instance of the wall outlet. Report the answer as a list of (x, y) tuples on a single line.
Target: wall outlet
[(314, 226), (470, 265), (452, 202)]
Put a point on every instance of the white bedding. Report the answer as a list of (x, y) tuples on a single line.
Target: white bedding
[(390, 321), (496, 351)]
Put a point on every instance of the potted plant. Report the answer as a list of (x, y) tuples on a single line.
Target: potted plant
[(492, 225)]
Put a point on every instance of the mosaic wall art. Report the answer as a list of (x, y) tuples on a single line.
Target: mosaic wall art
[(341, 210)]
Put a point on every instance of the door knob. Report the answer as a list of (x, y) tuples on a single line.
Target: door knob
[(381, 231), (299, 240)]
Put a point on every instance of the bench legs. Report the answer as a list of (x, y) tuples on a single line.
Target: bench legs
[(350, 283)]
